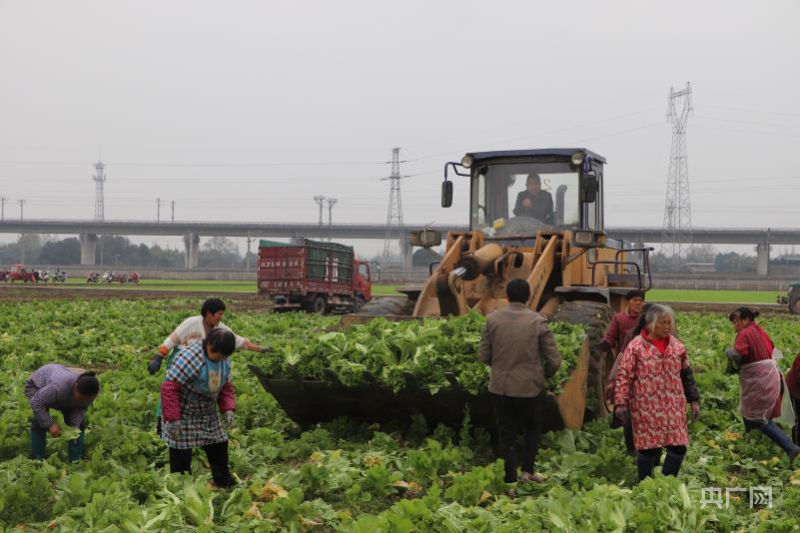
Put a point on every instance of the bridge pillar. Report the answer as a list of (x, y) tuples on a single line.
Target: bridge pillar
[(88, 248), (407, 252), (191, 243), (762, 262)]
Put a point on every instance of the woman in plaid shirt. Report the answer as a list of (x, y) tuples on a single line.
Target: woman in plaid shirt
[(197, 382)]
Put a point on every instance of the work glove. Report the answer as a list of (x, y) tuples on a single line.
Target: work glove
[(622, 413), (228, 419), (695, 411), (605, 346), (734, 356), (172, 428), (155, 365), (267, 349)]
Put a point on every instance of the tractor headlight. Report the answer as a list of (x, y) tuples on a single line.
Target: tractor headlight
[(466, 161), (577, 158), (583, 237)]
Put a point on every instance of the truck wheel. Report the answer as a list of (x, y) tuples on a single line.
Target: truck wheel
[(358, 303), (319, 305), (794, 301)]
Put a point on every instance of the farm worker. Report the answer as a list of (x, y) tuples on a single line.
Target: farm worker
[(649, 391), (760, 380), (793, 386), (191, 330), (196, 328), (690, 391), (197, 383), (54, 386), (623, 322), (533, 201), (522, 353)]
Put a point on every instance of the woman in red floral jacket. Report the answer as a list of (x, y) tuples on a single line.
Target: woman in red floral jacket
[(649, 391)]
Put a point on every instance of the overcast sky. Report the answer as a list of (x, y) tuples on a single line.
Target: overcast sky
[(243, 111)]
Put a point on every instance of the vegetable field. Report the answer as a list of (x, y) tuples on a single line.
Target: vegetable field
[(348, 477)]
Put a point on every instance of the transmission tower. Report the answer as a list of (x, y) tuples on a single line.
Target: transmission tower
[(99, 180), (677, 206), (394, 217), (320, 200), (331, 202)]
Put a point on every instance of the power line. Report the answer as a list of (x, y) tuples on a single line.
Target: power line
[(757, 132), (781, 113), (200, 165), (748, 122)]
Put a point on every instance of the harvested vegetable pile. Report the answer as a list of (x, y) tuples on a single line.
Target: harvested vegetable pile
[(427, 349)]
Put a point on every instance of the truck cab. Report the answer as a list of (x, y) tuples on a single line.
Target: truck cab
[(362, 283)]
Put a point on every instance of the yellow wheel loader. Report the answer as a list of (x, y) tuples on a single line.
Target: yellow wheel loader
[(535, 215)]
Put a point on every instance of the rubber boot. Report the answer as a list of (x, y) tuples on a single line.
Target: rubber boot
[(777, 436), (38, 441), (218, 461), (672, 464), (645, 464), (75, 448)]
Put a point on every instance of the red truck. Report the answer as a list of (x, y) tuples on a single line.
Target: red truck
[(316, 276)]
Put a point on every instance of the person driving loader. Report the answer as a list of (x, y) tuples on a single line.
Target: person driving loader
[(533, 202)]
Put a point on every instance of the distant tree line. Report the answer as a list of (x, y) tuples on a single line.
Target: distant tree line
[(112, 250), (705, 254)]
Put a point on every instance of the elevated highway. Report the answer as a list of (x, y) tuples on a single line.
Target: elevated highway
[(88, 230)]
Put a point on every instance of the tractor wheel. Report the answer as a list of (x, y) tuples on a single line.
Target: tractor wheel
[(594, 317), (319, 305), (794, 301)]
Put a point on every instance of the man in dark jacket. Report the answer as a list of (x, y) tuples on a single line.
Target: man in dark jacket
[(534, 202), (522, 352)]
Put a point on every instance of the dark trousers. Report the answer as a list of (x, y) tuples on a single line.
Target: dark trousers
[(510, 414), (796, 428), (39, 440), (180, 460), (648, 459)]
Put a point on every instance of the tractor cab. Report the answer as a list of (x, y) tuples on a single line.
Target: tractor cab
[(514, 194)]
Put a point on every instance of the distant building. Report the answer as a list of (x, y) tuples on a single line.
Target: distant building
[(424, 257)]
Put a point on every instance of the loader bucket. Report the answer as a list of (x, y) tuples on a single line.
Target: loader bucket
[(309, 402)]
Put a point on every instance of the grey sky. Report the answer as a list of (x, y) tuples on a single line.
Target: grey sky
[(245, 110)]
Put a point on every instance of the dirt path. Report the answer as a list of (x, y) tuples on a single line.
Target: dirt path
[(22, 293)]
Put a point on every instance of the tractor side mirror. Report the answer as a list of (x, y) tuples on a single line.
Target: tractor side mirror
[(447, 193), (589, 188)]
